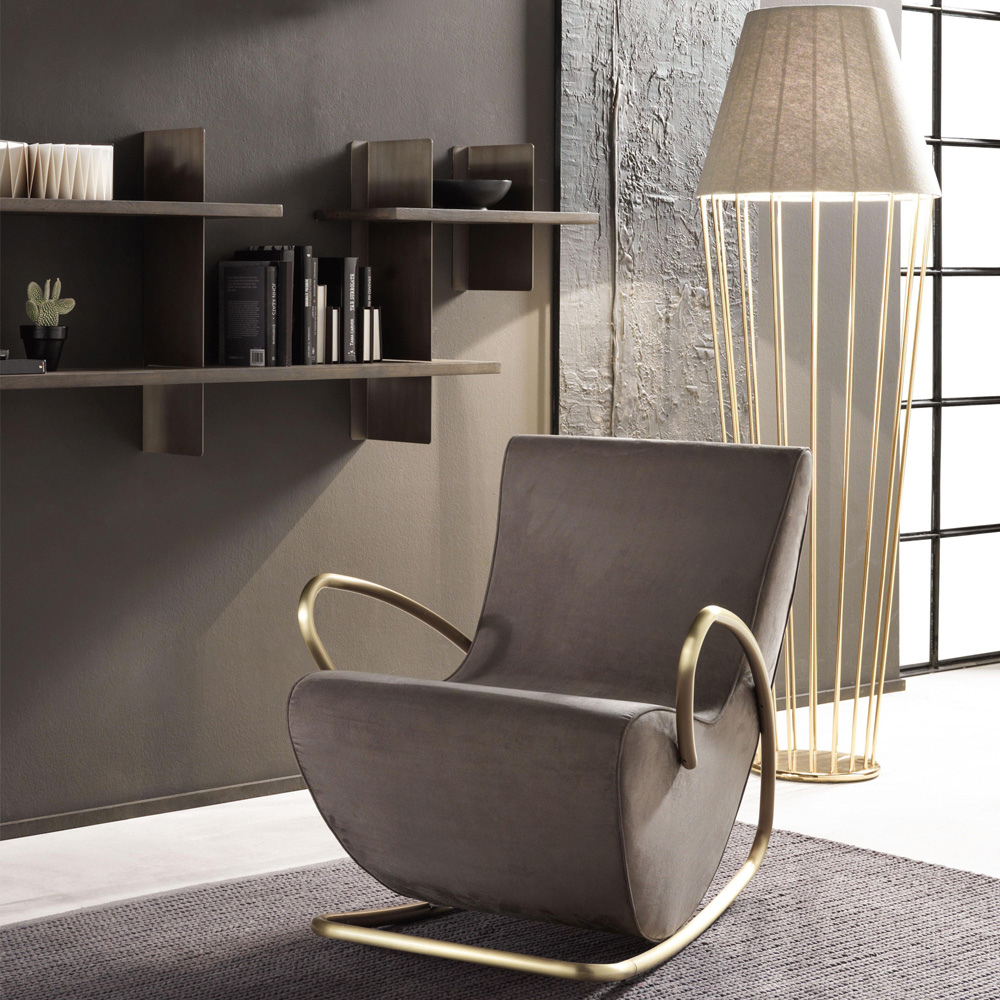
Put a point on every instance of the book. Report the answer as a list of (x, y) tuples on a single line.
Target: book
[(339, 274), (284, 260), (365, 334), (272, 317), (247, 311), (364, 306), (332, 335), (21, 366), (302, 310), (376, 334), (321, 355), (303, 289), (314, 321)]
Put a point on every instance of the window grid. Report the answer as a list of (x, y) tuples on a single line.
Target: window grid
[(938, 402)]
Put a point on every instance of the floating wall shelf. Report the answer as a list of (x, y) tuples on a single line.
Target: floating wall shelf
[(391, 182), (458, 216), (173, 287), (90, 378), (163, 209), (392, 219)]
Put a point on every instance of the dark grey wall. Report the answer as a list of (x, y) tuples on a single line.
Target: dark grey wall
[(148, 632)]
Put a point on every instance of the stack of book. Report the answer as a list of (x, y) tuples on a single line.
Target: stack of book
[(280, 305)]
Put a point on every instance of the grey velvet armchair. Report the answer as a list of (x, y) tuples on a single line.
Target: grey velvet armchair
[(553, 775)]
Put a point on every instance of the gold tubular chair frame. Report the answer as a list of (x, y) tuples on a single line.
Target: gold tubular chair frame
[(361, 926)]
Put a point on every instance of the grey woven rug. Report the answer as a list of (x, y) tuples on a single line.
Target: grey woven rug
[(819, 920)]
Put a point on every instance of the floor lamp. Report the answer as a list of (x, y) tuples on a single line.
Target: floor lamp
[(814, 112)]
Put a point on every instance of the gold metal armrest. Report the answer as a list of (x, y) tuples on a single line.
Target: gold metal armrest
[(684, 703), (691, 650), (307, 602)]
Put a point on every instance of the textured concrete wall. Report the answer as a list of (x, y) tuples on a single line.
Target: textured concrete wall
[(641, 85)]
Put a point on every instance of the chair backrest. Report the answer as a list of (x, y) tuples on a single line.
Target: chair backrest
[(607, 549)]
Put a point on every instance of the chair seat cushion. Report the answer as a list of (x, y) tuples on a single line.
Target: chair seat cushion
[(550, 807)]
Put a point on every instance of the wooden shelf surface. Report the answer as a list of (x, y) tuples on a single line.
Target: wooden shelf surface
[(81, 378), (457, 216), (186, 209)]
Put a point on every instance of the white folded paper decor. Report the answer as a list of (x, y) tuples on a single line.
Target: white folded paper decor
[(56, 170), (13, 169)]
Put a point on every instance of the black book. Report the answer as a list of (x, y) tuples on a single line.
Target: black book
[(272, 319), (284, 260), (340, 275), (364, 312), (303, 263), (247, 311), (314, 327), (21, 366), (302, 311)]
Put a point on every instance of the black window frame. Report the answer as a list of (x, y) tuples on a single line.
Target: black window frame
[(938, 403)]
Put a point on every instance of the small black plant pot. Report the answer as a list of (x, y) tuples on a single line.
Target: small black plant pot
[(44, 343)]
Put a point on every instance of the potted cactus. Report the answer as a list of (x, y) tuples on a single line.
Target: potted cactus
[(44, 336)]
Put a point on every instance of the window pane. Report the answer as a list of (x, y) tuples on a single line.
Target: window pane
[(969, 107), (914, 579), (970, 208), (970, 467), (917, 61), (970, 595), (923, 385), (970, 334), (915, 514)]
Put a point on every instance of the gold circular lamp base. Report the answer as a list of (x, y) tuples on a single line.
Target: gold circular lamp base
[(816, 766)]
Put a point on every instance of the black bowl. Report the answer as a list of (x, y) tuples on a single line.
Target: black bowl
[(469, 194)]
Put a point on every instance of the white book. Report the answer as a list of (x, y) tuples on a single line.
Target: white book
[(332, 335), (366, 335), (376, 334), (321, 356)]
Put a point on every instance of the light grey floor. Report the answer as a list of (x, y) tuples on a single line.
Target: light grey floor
[(937, 800)]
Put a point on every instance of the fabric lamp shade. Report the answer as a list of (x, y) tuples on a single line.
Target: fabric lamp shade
[(815, 103)]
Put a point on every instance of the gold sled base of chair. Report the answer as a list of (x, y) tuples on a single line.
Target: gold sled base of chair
[(362, 926), (357, 927)]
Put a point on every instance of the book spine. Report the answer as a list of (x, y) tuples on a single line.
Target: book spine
[(366, 335), (376, 334), (303, 305), (308, 356), (321, 352), (333, 334), (286, 311), (314, 325), (349, 312), (299, 310), (221, 359), (364, 288), (21, 366), (272, 315), (364, 313)]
